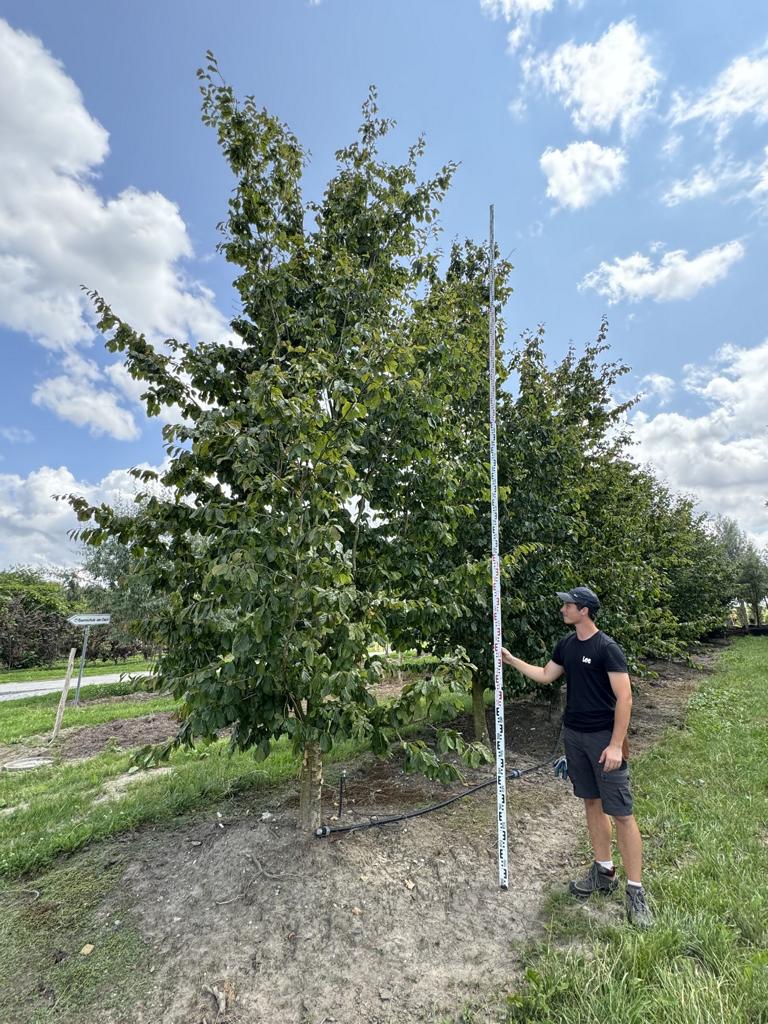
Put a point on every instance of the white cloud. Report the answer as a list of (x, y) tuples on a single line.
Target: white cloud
[(671, 146), (610, 81), (17, 435), (34, 527), (521, 12), (740, 90), (656, 385), (583, 172), (80, 402), (674, 277), (760, 191), (722, 174), (57, 232), (721, 456), (701, 183)]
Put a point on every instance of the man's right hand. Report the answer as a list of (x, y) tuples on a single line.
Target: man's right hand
[(542, 676)]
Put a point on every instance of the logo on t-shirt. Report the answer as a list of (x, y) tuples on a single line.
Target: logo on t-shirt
[(587, 661)]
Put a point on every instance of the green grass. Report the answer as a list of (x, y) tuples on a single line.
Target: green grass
[(703, 804), (34, 717), (43, 974), (55, 808), (93, 692), (410, 662), (59, 669)]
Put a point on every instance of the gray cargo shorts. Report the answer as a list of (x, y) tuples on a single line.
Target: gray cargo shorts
[(590, 780)]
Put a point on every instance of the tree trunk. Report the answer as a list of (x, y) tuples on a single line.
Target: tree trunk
[(478, 711), (310, 800)]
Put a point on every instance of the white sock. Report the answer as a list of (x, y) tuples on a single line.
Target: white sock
[(638, 885), (606, 864)]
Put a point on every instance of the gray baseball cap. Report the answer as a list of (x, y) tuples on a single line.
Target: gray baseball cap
[(581, 596)]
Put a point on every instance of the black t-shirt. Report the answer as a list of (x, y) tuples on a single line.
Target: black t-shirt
[(590, 700)]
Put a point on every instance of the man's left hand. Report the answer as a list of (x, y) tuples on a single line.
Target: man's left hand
[(611, 757)]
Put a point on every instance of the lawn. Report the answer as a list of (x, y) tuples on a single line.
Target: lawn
[(57, 809), (33, 717), (59, 669), (703, 805)]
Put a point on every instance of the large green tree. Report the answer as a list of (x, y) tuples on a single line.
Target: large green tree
[(110, 580), (277, 502), (753, 579), (554, 423), (748, 567)]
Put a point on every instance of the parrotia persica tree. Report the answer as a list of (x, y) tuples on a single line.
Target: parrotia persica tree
[(554, 426), (439, 511), (112, 584), (574, 508), (551, 423), (273, 540)]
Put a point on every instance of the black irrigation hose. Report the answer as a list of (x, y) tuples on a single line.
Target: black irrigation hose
[(513, 773)]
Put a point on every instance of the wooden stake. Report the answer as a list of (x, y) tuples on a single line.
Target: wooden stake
[(64, 692)]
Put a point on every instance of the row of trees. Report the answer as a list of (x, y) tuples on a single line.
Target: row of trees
[(749, 569), (327, 482)]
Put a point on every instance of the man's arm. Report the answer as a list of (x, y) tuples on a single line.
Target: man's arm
[(543, 676), (611, 757)]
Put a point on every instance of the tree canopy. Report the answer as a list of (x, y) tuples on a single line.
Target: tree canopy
[(326, 490), (297, 443)]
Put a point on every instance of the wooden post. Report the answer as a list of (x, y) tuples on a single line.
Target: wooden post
[(82, 665), (64, 692)]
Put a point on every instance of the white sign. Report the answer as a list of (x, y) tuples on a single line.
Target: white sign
[(89, 620)]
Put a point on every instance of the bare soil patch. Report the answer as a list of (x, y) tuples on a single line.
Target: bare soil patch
[(249, 920), (88, 740), (135, 698), (397, 923)]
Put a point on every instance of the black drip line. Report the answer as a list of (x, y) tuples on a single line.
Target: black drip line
[(391, 819)]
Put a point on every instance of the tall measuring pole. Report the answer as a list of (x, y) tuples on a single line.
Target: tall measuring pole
[(501, 759)]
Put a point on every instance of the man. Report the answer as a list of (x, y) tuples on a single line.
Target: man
[(598, 706)]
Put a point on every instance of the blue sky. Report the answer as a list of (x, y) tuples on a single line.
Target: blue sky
[(624, 146)]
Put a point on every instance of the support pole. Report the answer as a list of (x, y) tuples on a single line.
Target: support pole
[(501, 760), (82, 665), (64, 692)]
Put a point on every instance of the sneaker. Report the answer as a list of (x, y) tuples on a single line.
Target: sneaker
[(638, 912), (597, 879)]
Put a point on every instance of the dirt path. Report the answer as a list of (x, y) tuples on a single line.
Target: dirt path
[(393, 924)]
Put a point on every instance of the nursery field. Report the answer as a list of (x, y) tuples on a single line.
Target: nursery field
[(188, 893)]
